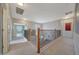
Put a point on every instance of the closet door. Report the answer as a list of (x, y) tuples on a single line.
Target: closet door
[(1, 17)]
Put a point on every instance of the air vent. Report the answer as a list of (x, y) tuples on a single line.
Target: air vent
[(19, 11)]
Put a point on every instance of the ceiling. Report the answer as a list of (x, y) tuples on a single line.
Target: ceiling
[(43, 12)]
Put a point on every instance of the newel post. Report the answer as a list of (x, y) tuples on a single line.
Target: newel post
[(38, 41)]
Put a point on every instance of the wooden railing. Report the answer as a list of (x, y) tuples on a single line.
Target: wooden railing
[(56, 33)]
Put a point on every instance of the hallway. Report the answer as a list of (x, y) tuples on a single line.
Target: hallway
[(60, 46), (40, 29)]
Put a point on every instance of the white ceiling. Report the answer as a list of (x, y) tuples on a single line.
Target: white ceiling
[(43, 12)]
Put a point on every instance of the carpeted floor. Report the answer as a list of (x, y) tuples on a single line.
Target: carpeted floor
[(60, 46)]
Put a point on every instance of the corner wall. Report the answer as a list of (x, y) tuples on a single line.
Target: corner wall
[(76, 33)]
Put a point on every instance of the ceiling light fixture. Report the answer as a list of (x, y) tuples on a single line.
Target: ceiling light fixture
[(24, 19), (21, 4)]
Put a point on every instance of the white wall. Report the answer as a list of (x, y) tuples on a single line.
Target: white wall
[(76, 35), (67, 34), (52, 25), (76, 43), (60, 25)]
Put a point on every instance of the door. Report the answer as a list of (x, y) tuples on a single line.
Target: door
[(1, 17)]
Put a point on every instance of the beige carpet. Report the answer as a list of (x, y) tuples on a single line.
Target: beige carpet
[(22, 49), (60, 46)]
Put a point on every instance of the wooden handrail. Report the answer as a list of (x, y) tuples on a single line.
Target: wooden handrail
[(47, 30)]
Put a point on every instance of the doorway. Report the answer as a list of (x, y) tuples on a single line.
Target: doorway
[(19, 29), (18, 33)]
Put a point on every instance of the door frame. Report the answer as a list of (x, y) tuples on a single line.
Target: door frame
[(1, 28)]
